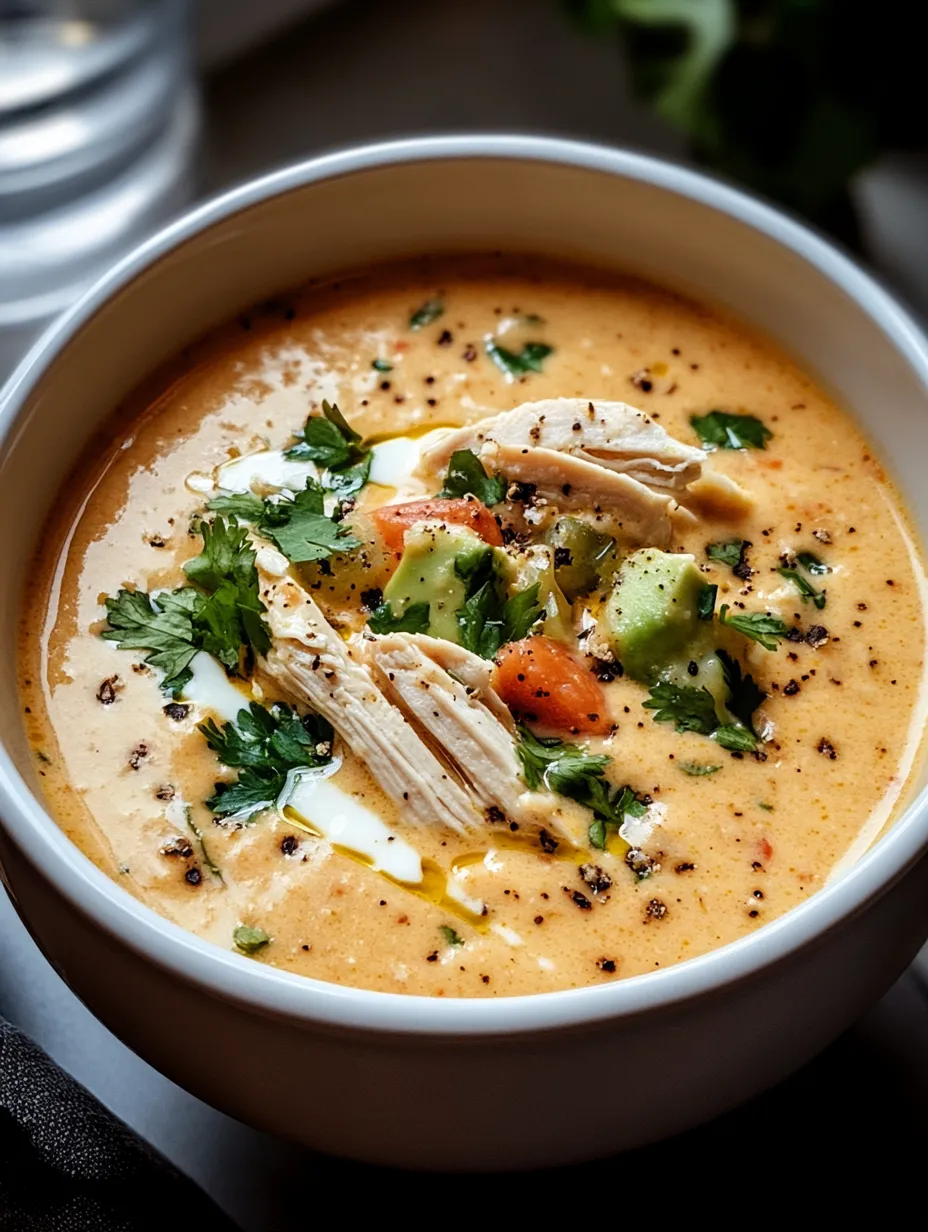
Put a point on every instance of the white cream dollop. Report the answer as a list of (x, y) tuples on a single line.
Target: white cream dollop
[(211, 689)]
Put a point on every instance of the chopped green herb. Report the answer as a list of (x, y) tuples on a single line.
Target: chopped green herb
[(264, 746), (811, 563), (705, 601), (529, 359), (466, 476), (569, 770), (759, 626), (690, 709), (806, 590), (331, 442), (430, 311), (697, 768), (762, 804), (744, 693), (250, 939), (731, 552), (415, 619), (736, 739), (382, 365), (721, 430), (450, 935), (164, 627), (244, 505), (201, 842), (298, 524), (486, 623)]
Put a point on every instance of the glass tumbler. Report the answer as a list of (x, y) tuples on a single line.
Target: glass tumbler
[(99, 122)]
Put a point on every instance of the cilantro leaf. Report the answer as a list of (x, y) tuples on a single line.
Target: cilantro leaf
[(301, 530), (520, 613), (513, 363), (759, 626), (806, 590), (382, 365), (705, 601), (744, 693), (730, 552), (811, 563), (250, 938), (697, 769), (721, 430), (450, 935), (415, 619), (690, 709), (328, 440), (264, 746), (485, 623), (735, 739), (426, 313), (233, 615), (569, 770), (466, 476), (244, 505), (163, 626), (351, 479)]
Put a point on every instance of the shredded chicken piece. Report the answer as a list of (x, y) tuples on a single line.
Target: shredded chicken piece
[(463, 722), (313, 666), (612, 435)]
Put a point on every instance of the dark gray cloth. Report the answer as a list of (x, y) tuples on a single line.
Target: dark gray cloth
[(68, 1165)]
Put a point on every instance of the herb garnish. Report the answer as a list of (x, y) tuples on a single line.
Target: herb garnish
[(731, 553), (811, 563), (382, 365), (697, 769), (759, 626), (430, 311), (221, 614), (721, 430), (249, 938), (806, 590), (744, 693), (264, 746), (415, 619), (331, 442), (452, 937), (689, 708), (466, 476), (298, 525), (705, 601), (529, 359), (486, 622), (569, 770)]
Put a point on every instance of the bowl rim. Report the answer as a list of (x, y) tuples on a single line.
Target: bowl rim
[(308, 1001)]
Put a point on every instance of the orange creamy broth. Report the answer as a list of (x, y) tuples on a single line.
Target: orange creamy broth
[(737, 847)]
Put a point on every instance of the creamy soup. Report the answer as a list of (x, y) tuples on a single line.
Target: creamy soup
[(475, 628)]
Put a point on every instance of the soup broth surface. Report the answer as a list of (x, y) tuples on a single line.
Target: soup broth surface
[(728, 839)]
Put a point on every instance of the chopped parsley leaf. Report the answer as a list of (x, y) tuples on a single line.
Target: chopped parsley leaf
[(297, 525), (250, 939), (428, 312), (382, 365), (721, 430), (449, 934), (486, 623), (705, 601), (466, 476), (513, 363), (331, 442), (759, 626), (735, 739), (744, 693), (689, 708), (415, 619), (811, 563), (696, 769), (729, 553), (569, 770), (163, 626), (806, 590), (263, 745)]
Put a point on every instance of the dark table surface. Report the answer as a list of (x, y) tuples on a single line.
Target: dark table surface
[(372, 68)]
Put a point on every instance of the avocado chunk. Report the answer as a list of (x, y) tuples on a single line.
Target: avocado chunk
[(536, 565), (581, 556), (438, 567), (652, 613)]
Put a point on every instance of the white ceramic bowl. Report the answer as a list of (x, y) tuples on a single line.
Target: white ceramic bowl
[(430, 1082)]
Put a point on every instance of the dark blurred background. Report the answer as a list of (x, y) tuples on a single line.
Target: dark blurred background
[(115, 114)]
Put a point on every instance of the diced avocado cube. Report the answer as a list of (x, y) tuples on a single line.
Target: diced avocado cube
[(581, 555), (536, 565), (438, 567), (652, 613)]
